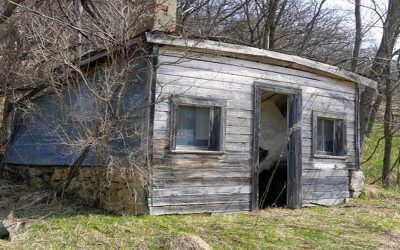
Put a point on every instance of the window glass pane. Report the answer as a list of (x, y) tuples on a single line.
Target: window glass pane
[(320, 135), (216, 129), (202, 125), (339, 142), (328, 135), (193, 126)]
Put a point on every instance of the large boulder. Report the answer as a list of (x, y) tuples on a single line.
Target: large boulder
[(4, 234), (357, 179)]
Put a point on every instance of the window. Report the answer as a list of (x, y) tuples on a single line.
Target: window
[(197, 124), (329, 134)]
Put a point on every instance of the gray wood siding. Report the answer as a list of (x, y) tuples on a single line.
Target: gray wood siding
[(184, 183)]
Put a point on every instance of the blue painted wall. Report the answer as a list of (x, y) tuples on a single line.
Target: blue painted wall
[(50, 132)]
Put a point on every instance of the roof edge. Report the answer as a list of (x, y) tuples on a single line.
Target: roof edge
[(289, 61)]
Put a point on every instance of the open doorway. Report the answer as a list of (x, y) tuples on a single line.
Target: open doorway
[(272, 169), (277, 164)]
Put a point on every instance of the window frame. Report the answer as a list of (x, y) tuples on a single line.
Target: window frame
[(328, 115), (206, 102)]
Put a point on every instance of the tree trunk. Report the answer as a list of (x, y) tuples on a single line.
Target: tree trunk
[(270, 24), (276, 23), (4, 138), (398, 170), (73, 171), (358, 38), (387, 130), (310, 27), (370, 101), (6, 125), (78, 40)]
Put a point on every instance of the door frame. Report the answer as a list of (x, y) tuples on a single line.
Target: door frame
[(294, 168)]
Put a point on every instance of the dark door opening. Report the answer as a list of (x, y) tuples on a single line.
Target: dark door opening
[(277, 164), (272, 158)]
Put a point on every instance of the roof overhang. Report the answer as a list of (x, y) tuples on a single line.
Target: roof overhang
[(271, 57)]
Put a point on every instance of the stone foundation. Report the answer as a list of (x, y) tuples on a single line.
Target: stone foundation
[(357, 179), (118, 190)]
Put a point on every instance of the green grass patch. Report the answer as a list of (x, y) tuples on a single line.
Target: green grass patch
[(373, 167), (362, 224), (366, 223)]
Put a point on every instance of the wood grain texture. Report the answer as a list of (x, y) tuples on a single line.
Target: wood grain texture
[(324, 202), (270, 57), (186, 183)]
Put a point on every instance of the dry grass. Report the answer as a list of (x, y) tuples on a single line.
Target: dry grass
[(368, 223), (184, 242), (21, 205), (24, 201)]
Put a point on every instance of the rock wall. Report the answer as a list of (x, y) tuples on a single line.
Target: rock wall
[(114, 190)]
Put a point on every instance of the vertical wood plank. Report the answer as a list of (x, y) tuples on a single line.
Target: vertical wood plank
[(357, 136), (254, 162), (295, 152)]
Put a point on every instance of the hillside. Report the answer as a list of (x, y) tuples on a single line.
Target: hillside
[(372, 156), (368, 223)]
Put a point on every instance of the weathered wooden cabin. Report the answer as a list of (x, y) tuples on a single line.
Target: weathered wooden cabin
[(227, 120), (237, 114), (231, 117)]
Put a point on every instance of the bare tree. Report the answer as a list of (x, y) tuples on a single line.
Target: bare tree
[(87, 105), (370, 101), (358, 37), (8, 9), (308, 28)]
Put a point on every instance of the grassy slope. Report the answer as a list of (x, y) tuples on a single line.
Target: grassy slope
[(373, 168), (361, 224)]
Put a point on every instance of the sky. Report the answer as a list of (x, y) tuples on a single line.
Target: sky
[(370, 17)]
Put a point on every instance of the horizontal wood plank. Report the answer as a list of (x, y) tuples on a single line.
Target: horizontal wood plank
[(190, 183), (201, 208), (200, 200), (184, 55), (324, 202), (329, 180), (189, 190), (320, 195), (199, 182), (324, 188), (198, 65), (325, 173)]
